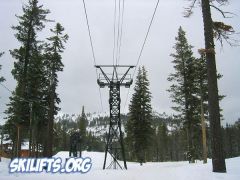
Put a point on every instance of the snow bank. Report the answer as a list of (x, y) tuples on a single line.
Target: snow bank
[(149, 171)]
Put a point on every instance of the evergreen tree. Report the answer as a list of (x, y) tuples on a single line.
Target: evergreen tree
[(237, 135), (28, 69), (231, 139), (218, 159), (83, 128), (53, 63), (229, 135), (139, 125), (201, 84), (94, 143), (183, 90), (221, 32), (162, 142), (62, 129)]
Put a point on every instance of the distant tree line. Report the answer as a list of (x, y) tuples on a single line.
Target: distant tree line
[(169, 141), (231, 139), (64, 126)]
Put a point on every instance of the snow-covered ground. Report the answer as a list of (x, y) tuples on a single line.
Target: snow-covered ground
[(149, 171)]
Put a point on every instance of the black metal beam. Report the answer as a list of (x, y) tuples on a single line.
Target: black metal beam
[(114, 142), (98, 66)]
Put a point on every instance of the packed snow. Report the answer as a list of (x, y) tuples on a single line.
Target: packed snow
[(150, 171)]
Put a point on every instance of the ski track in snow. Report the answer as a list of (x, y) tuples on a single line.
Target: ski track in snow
[(149, 171)]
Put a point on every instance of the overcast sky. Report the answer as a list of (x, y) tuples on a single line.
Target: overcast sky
[(77, 83)]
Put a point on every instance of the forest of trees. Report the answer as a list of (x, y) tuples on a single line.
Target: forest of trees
[(33, 103), (193, 133), (168, 138), (64, 126)]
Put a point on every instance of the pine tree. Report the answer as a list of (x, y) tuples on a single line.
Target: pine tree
[(139, 124), (201, 83), (83, 128), (28, 69), (221, 32), (218, 159), (53, 63), (162, 142), (230, 140), (201, 93), (183, 90)]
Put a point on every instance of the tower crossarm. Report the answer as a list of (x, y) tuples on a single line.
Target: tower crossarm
[(114, 81)]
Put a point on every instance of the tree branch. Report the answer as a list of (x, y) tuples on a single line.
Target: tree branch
[(224, 32), (221, 11), (189, 10), (222, 2)]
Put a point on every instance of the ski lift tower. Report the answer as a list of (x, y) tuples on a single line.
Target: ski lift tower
[(117, 77)]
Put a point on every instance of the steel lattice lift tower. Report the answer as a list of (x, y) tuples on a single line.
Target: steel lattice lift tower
[(114, 81)]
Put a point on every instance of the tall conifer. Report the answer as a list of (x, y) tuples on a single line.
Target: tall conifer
[(53, 64), (139, 124), (83, 128), (28, 69), (183, 89)]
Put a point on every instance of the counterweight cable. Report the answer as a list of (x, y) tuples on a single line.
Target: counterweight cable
[(121, 32), (118, 30), (114, 30), (91, 42), (142, 48)]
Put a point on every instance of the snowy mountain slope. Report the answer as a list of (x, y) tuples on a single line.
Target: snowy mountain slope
[(97, 122), (151, 171)]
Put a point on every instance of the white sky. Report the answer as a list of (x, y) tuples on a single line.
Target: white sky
[(78, 85)]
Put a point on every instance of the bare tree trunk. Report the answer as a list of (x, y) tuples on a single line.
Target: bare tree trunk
[(51, 118), (50, 133), (18, 154), (204, 138), (30, 130), (218, 160)]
